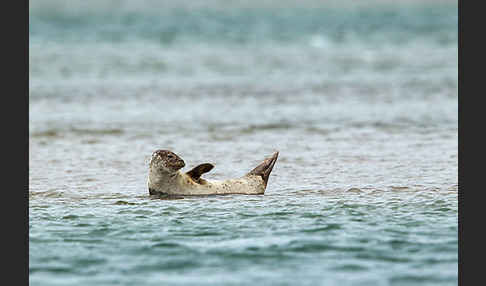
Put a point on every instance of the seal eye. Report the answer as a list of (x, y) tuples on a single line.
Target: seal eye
[(170, 156)]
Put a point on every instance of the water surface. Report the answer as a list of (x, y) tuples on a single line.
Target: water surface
[(361, 102)]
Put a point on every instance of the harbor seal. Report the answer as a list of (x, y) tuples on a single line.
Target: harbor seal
[(165, 177)]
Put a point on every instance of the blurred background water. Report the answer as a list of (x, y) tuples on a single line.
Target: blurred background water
[(360, 99)]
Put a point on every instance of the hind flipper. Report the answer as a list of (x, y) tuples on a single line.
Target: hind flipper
[(197, 171), (265, 168)]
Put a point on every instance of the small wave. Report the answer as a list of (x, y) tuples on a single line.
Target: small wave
[(331, 226), (414, 279), (52, 269), (399, 188), (70, 217), (84, 240), (269, 126), (47, 194), (55, 133), (354, 190), (46, 133), (382, 257), (123, 203), (109, 131), (350, 267), (320, 246), (174, 264), (167, 245)]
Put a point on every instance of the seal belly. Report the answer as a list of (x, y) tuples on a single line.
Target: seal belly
[(250, 185)]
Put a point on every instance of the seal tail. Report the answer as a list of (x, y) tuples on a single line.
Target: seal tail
[(265, 168)]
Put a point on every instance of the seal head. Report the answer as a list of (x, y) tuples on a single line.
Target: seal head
[(166, 161)]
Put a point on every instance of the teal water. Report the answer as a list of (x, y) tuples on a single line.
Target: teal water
[(360, 100)]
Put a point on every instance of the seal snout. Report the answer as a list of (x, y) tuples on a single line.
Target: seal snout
[(175, 161), (179, 164)]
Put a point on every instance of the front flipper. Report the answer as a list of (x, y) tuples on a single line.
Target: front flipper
[(197, 171)]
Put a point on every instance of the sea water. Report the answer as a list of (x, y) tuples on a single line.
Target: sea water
[(361, 100)]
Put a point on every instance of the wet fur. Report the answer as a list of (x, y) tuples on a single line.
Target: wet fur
[(167, 181)]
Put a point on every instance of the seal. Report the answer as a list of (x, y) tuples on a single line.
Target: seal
[(165, 177)]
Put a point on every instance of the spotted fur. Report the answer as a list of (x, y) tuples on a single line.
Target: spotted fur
[(165, 178)]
